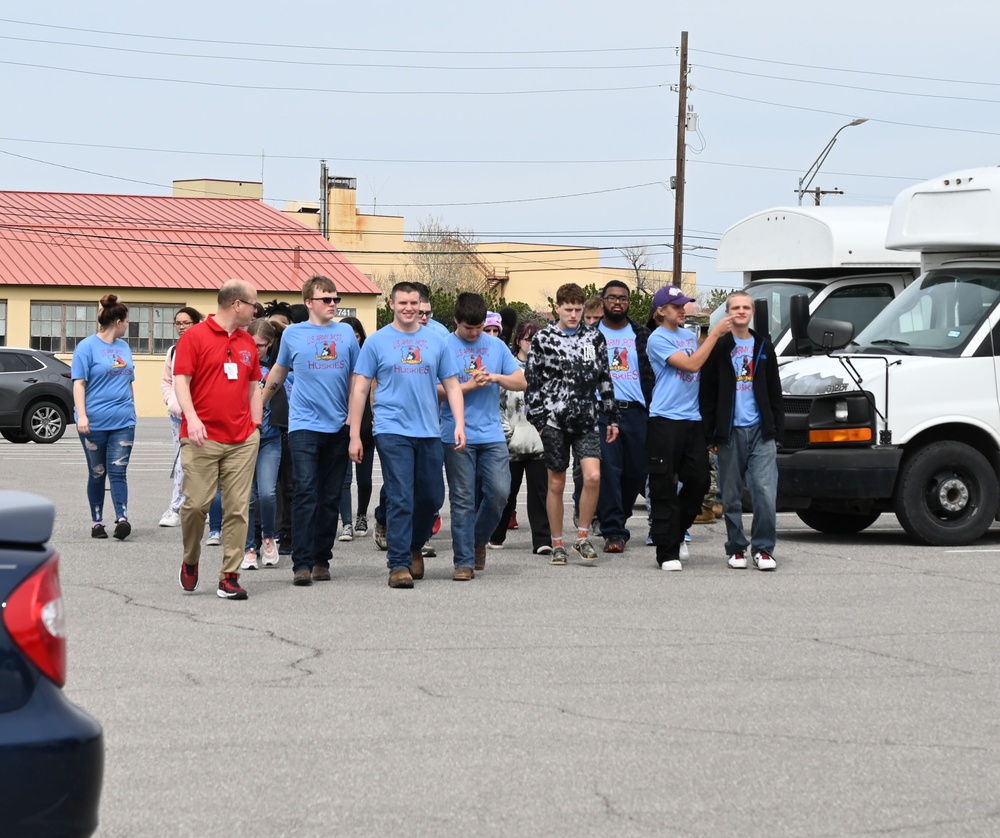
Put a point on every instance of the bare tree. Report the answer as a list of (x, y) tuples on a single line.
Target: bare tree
[(445, 259), (641, 262)]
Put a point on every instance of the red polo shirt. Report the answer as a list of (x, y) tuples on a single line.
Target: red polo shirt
[(222, 403)]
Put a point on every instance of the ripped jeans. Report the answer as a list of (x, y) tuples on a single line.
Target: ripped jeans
[(108, 453)]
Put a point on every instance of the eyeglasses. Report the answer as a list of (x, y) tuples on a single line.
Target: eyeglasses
[(247, 303), (427, 313), (327, 301), (616, 298), (183, 323)]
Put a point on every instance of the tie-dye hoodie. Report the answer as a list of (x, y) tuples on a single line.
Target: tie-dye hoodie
[(564, 372)]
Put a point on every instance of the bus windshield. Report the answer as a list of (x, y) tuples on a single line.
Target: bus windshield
[(936, 315)]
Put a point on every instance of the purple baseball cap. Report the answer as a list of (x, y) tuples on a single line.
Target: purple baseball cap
[(670, 295)]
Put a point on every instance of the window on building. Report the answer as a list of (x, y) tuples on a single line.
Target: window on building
[(150, 328), (3, 323), (59, 327)]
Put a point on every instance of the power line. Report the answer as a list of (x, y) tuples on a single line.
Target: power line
[(338, 64), (660, 48), (949, 96), (282, 89), (846, 70), (850, 115)]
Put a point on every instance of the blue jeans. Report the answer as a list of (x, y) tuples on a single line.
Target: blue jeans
[(623, 470), (478, 485), (749, 457), (414, 492), (319, 461), (108, 454), (215, 513), (264, 491), (363, 470)]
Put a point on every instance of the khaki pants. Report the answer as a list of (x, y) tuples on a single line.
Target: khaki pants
[(213, 465)]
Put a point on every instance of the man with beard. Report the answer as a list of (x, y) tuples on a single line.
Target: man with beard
[(623, 461)]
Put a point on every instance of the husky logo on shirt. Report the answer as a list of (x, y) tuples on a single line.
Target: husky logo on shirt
[(745, 372), (411, 355), (117, 363), (619, 359), (326, 352), (474, 364)]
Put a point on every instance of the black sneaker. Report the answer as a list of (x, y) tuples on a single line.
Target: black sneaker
[(229, 587), (122, 529), (98, 531)]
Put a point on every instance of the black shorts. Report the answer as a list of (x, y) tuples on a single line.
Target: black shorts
[(557, 444)]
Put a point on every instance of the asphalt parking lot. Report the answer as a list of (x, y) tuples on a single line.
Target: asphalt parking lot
[(851, 692)]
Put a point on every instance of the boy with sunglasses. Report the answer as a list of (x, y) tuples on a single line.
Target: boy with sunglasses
[(321, 354)]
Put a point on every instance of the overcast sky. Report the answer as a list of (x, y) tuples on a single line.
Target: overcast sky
[(530, 121)]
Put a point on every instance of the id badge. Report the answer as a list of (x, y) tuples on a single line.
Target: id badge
[(230, 369)]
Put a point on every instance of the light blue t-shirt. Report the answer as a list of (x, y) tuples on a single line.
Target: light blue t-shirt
[(624, 362), (407, 366), (440, 328), (108, 370), (482, 405), (675, 392), (745, 412), (322, 358)]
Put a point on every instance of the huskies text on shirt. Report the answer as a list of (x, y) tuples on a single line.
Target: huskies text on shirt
[(322, 359), (108, 370), (482, 405), (675, 393), (407, 367)]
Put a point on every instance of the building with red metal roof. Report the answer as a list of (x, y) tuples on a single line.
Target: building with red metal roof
[(61, 252)]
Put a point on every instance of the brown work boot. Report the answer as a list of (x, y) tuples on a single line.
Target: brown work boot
[(321, 574), (303, 576), (417, 565), (706, 516), (480, 557), (718, 509), (463, 574), (400, 578)]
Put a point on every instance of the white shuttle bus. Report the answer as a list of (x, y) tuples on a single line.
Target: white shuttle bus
[(905, 418)]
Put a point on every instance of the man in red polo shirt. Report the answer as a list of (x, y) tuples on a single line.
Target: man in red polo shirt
[(216, 375)]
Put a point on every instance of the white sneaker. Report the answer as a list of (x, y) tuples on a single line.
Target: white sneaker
[(214, 539), (738, 561), (762, 560), (170, 519), (347, 533), (269, 553), (493, 546), (684, 552), (673, 564), (249, 560)]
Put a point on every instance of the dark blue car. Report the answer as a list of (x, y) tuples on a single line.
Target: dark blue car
[(51, 752)]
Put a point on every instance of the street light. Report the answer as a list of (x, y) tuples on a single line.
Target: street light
[(806, 180)]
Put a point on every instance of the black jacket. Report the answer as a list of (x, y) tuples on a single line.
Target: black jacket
[(717, 395)]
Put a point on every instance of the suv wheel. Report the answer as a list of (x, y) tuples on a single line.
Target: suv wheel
[(44, 422)]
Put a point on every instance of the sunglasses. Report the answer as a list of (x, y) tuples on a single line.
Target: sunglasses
[(183, 323), (327, 301)]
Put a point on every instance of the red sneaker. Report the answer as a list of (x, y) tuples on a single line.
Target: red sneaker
[(189, 578), (229, 587), (437, 526), (512, 523)]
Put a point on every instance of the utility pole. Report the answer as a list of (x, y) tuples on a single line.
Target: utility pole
[(679, 178), (324, 199)]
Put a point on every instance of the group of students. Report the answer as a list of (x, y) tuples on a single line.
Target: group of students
[(635, 406)]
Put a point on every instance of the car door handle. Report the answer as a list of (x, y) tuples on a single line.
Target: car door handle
[(31, 380)]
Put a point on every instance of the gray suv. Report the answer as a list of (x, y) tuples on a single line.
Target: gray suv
[(36, 395)]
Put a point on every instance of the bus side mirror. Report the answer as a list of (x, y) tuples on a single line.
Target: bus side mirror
[(830, 335), (761, 319), (798, 324)]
